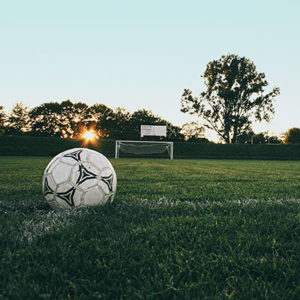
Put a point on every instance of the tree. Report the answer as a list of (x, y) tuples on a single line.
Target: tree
[(46, 120), (146, 117), (18, 119), (249, 137), (274, 140), (65, 119), (260, 138), (100, 118), (143, 117), (73, 118), (292, 136), (235, 97), (2, 120), (2, 115), (193, 132)]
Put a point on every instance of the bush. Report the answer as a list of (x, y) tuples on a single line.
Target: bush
[(236, 151), (49, 146), (292, 136)]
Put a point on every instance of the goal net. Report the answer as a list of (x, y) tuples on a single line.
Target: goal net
[(143, 148)]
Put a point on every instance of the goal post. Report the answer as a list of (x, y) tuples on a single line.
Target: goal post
[(143, 147)]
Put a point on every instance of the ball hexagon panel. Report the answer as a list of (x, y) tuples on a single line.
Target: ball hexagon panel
[(94, 196), (52, 164), (77, 197), (99, 161), (61, 173), (62, 188), (50, 197), (49, 185)]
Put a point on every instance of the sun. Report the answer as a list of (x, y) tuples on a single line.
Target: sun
[(89, 135)]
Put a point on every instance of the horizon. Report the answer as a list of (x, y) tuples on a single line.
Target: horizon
[(142, 55)]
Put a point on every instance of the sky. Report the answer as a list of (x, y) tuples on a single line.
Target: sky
[(143, 54)]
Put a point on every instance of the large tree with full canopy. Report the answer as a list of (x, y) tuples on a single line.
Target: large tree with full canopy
[(235, 97), (65, 119)]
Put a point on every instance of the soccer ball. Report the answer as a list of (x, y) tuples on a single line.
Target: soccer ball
[(79, 177)]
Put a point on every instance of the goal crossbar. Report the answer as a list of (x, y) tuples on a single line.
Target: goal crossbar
[(143, 147)]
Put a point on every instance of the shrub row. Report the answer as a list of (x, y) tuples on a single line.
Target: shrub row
[(48, 146), (237, 151)]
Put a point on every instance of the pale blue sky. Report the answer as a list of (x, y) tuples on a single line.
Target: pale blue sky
[(142, 54)]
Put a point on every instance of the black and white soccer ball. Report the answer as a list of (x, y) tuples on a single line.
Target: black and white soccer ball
[(79, 177)]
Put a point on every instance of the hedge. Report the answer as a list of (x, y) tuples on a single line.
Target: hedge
[(49, 146), (237, 151)]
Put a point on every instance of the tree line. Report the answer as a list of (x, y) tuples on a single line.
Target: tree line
[(235, 98), (70, 120)]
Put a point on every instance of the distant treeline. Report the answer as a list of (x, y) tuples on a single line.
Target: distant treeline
[(70, 120)]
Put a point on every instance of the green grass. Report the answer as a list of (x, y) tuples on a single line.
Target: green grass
[(182, 229)]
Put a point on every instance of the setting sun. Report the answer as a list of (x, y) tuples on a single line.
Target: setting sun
[(89, 135)]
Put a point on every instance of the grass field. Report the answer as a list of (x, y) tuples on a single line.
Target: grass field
[(182, 229)]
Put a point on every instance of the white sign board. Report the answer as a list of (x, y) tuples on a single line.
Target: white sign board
[(156, 130)]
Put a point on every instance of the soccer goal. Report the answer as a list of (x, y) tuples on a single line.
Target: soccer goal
[(142, 148)]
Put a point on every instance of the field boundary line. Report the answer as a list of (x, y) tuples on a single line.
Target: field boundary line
[(207, 203)]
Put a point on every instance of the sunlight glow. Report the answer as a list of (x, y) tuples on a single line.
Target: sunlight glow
[(89, 135)]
